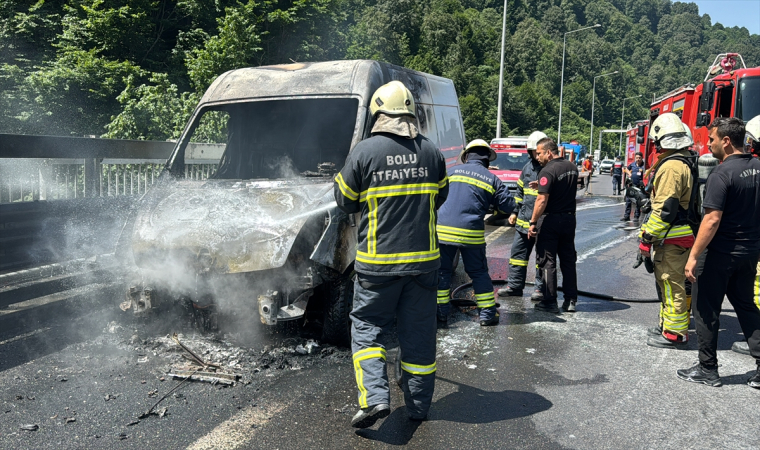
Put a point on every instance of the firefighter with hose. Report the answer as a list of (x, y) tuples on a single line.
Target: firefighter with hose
[(397, 256), (522, 246), (473, 189), (666, 236)]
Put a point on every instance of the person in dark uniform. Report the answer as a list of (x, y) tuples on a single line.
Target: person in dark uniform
[(553, 224), (617, 176), (520, 218), (473, 189), (635, 172), (730, 236), (396, 180)]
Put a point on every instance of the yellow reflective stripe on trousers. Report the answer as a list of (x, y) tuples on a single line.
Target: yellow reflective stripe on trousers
[(397, 258), (518, 262), (757, 291), (462, 179), (361, 355), (523, 223), (445, 237), (532, 192), (345, 189), (518, 199), (485, 300), (461, 231), (416, 369), (443, 296), (671, 320)]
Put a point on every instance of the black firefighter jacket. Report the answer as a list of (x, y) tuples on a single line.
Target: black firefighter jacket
[(397, 184), (525, 196), (473, 189)]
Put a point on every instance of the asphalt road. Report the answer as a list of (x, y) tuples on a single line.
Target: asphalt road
[(538, 380)]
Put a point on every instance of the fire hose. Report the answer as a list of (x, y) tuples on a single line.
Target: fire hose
[(467, 302)]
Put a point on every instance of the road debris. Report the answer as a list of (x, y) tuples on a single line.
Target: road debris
[(30, 427), (227, 379), (195, 357), (70, 419)]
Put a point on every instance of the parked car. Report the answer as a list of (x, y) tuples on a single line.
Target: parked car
[(606, 166), (243, 215)]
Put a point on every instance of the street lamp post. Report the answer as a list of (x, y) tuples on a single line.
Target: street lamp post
[(501, 70), (562, 77), (593, 98), (622, 117)]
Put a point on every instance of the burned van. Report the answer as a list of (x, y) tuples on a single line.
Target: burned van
[(245, 207)]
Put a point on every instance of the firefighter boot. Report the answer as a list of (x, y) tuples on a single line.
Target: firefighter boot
[(489, 317), (741, 347), (547, 307), (654, 331), (668, 339), (510, 292), (700, 374), (443, 313), (366, 417)]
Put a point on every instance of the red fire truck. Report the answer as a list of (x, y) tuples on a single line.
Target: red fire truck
[(727, 91)]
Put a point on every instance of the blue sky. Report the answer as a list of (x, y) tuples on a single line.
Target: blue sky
[(740, 13)]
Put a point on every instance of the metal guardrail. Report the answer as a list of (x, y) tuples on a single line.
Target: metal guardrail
[(36, 168)]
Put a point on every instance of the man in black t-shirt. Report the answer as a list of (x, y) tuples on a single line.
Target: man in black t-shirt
[(730, 236), (553, 223)]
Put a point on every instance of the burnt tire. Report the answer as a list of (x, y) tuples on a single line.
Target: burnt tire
[(336, 328)]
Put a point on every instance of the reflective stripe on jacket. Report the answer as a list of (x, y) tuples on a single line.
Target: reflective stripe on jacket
[(672, 179), (526, 197), (473, 189), (397, 184)]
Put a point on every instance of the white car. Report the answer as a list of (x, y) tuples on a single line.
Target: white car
[(606, 165)]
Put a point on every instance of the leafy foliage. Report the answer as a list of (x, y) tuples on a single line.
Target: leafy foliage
[(136, 68)]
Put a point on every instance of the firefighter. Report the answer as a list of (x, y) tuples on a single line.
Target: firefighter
[(617, 176), (473, 189), (751, 145), (665, 235), (520, 218), (396, 180), (635, 173)]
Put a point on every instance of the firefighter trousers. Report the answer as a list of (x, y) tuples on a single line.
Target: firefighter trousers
[(476, 267), (669, 264), (409, 302), (556, 239), (518, 262), (735, 277)]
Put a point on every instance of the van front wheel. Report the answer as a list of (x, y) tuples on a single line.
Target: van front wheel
[(336, 327)]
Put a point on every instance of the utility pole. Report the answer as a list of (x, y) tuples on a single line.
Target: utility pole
[(501, 70)]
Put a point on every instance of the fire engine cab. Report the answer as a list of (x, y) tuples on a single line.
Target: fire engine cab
[(727, 91)]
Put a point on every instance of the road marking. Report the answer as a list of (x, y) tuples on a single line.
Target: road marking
[(496, 234), (24, 336), (52, 298), (237, 431), (605, 246)]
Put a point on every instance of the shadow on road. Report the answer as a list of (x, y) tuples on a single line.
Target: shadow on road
[(467, 405)]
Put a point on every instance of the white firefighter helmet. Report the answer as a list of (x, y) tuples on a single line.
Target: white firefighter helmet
[(534, 138), (393, 99), (668, 132), (474, 144), (752, 135)]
